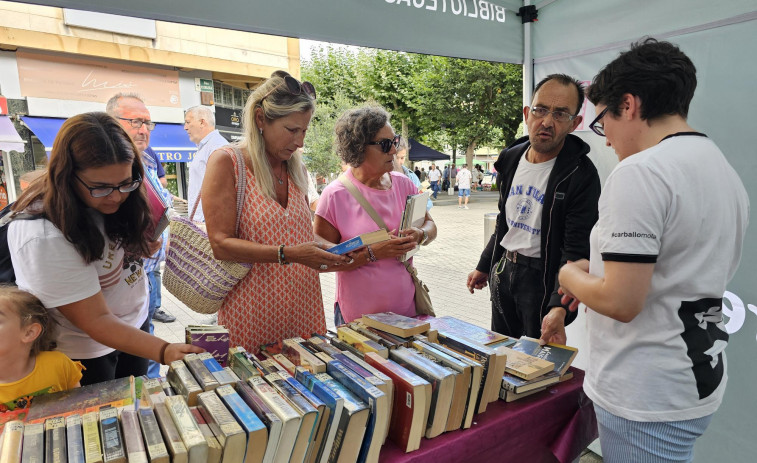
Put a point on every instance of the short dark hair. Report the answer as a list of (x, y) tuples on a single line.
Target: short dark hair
[(565, 80), (659, 73), (355, 128)]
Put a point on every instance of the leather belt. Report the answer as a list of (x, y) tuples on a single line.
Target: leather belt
[(516, 258)]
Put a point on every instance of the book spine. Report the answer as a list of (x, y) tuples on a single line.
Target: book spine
[(156, 448), (91, 433), (183, 382), (197, 446), (173, 441), (55, 440), (305, 357), (201, 373), (11, 445), (215, 342), (215, 451), (111, 437), (135, 447), (74, 439), (34, 444), (347, 246), (218, 417), (241, 365), (360, 342)]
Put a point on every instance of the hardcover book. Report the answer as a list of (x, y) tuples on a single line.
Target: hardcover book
[(221, 374), (224, 426), (562, 356), (212, 338), (360, 241), (90, 423), (398, 325), (194, 441), (519, 385), (240, 364), (11, 444), (360, 342), (215, 451), (117, 393), (182, 381), (34, 444), (413, 216), (411, 405), (510, 396), (111, 437), (55, 440), (461, 393), (254, 429), (204, 377), (74, 439), (466, 330)]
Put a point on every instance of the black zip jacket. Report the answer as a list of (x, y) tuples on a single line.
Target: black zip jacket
[(570, 212)]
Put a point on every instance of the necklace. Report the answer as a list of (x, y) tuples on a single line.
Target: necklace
[(280, 177)]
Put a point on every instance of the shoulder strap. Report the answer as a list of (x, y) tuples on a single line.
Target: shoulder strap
[(363, 202), (241, 184)]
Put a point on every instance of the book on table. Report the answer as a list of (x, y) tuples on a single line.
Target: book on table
[(224, 426), (111, 437), (11, 442), (351, 424), (290, 418), (34, 443), (90, 423), (215, 451), (396, 324), (135, 446), (465, 329), (360, 342), (332, 400), (562, 356), (156, 448), (518, 385), (271, 421), (201, 373), (510, 396), (254, 430), (194, 441), (442, 382), (213, 338), (173, 442), (526, 366), (360, 241), (414, 215), (182, 381), (410, 408)]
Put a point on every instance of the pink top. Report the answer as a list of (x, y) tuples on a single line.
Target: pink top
[(378, 286)]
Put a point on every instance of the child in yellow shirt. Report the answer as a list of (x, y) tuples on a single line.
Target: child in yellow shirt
[(28, 364)]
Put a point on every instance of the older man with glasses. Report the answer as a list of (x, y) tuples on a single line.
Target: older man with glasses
[(131, 112), (548, 204)]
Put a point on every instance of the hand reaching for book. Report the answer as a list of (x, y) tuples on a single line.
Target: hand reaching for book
[(553, 327), (177, 351)]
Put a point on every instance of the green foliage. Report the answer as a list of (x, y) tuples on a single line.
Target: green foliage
[(320, 157)]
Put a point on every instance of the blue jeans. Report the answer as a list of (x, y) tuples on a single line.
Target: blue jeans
[(517, 292), (153, 280), (435, 187)]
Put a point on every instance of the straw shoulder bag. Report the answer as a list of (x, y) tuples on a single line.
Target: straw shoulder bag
[(423, 304), (191, 272)]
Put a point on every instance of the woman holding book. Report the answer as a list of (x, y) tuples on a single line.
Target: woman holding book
[(375, 281), (280, 297), (82, 257)]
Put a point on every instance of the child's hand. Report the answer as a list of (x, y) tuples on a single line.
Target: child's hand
[(177, 351)]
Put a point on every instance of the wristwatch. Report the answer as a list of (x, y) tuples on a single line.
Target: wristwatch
[(425, 237)]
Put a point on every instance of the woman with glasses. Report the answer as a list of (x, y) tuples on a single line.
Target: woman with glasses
[(82, 257), (281, 295), (375, 281)]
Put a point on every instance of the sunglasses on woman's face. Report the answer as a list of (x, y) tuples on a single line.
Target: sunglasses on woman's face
[(295, 87), (387, 143)]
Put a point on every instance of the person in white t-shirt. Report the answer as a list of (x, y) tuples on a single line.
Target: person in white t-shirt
[(654, 286), (83, 257), (434, 175), (463, 180)]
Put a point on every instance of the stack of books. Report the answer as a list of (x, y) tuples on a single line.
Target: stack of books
[(212, 338), (532, 368), (329, 398)]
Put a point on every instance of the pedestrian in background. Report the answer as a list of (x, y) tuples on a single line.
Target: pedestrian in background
[(200, 125)]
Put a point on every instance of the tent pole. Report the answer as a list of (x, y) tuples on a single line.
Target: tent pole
[(528, 62)]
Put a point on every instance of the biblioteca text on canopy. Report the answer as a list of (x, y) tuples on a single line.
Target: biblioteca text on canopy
[(479, 9)]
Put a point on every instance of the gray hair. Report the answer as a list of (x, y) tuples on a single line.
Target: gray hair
[(404, 145), (276, 101), (112, 104), (203, 112), (355, 128)]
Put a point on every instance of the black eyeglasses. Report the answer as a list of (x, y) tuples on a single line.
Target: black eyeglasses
[(105, 190), (295, 87), (559, 116), (387, 143), (596, 124), (137, 123)]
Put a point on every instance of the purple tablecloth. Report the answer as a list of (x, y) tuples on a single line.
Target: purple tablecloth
[(547, 427)]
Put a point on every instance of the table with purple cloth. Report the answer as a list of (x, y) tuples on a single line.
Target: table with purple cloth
[(551, 426)]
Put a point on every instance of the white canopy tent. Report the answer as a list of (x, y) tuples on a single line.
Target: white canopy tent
[(576, 37)]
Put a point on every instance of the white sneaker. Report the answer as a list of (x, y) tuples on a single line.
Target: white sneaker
[(465, 207)]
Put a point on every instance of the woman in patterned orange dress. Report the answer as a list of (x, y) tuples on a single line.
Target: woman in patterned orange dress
[(281, 295)]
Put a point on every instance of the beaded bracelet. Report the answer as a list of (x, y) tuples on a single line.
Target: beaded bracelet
[(371, 255), (282, 259)]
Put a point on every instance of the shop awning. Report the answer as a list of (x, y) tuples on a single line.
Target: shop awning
[(171, 143), (45, 128), (10, 140)]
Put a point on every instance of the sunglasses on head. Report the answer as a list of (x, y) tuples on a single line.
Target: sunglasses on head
[(295, 87), (387, 143)]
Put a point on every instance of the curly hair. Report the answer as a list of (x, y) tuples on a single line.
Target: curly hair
[(355, 128), (659, 73), (31, 310), (90, 140)]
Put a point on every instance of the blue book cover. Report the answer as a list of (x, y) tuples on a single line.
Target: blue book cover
[(257, 433), (330, 398), (377, 401), (359, 241), (353, 406)]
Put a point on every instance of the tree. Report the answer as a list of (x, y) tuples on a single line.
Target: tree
[(320, 157)]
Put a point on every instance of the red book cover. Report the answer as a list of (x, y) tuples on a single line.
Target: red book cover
[(158, 209), (412, 398)]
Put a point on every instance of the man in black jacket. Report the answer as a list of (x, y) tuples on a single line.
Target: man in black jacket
[(548, 204)]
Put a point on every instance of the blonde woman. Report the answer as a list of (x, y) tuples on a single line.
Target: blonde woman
[(281, 296)]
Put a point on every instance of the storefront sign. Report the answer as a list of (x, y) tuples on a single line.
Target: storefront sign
[(203, 85), (68, 78), (229, 117)]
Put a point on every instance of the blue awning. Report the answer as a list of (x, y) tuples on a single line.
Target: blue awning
[(169, 141), (45, 128), (9, 138)]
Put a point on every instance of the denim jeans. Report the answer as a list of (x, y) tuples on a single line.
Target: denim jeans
[(153, 279), (435, 188), (517, 292)]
